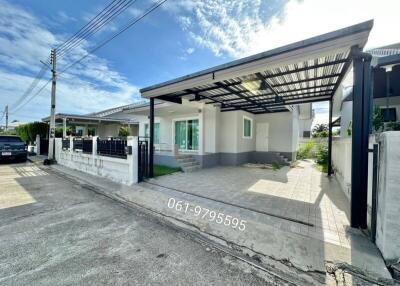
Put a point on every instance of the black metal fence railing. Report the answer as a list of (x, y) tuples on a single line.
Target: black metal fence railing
[(87, 145), (65, 144), (113, 147), (44, 146), (78, 144)]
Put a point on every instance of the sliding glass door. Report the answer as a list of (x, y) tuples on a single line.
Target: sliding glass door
[(187, 134)]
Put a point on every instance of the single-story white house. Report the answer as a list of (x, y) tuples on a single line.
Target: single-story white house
[(212, 137)]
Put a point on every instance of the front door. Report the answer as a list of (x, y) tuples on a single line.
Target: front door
[(187, 134), (262, 131)]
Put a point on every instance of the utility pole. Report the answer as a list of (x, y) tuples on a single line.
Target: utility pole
[(53, 106), (6, 117)]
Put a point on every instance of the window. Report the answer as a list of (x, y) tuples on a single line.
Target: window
[(389, 114), (187, 134), (156, 132), (247, 127)]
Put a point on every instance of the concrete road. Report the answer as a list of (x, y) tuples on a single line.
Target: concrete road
[(54, 232)]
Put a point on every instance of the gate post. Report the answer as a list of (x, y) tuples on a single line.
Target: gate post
[(360, 134), (37, 144), (132, 159)]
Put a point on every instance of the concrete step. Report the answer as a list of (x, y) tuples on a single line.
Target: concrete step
[(191, 169), (184, 160), (183, 156), (189, 164)]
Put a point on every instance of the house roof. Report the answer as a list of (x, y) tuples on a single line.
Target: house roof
[(389, 50), (60, 116), (117, 109), (305, 71)]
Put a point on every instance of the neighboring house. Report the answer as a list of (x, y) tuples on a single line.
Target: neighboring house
[(386, 62), (103, 124), (12, 126)]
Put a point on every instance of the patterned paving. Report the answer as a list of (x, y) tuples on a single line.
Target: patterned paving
[(301, 193)]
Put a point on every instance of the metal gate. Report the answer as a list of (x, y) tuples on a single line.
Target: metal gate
[(374, 198), (44, 146), (143, 159)]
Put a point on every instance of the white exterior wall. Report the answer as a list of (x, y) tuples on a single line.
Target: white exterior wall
[(228, 132), (107, 130), (281, 131), (222, 132), (346, 118)]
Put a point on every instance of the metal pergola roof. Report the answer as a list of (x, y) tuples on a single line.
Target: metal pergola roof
[(272, 81)]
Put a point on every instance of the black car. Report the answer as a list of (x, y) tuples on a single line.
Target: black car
[(12, 147)]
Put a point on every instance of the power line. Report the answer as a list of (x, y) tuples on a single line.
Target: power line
[(93, 23), (126, 27), (106, 18), (84, 27), (32, 97), (31, 87)]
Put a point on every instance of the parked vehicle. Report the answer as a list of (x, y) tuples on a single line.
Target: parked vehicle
[(12, 147)]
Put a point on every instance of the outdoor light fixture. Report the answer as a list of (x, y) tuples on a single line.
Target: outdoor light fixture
[(278, 99), (263, 85)]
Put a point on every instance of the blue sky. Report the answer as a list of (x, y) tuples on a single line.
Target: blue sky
[(179, 38)]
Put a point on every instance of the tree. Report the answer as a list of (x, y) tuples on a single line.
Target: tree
[(27, 132), (320, 130)]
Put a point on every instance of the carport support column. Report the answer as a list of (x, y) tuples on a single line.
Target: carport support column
[(360, 135), (151, 143), (330, 172)]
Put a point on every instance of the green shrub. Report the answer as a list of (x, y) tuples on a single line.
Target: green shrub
[(123, 131), (377, 120), (322, 158), (393, 126), (322, 154), (306, 151)]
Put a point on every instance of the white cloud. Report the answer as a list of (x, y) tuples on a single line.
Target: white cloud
[(239, 28), (24, 40), (63, 17)]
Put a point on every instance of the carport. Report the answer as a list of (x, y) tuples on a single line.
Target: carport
[(274, 81)]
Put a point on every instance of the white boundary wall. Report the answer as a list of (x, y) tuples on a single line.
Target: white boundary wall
[(116, 169), (341, 161), (388, 193)]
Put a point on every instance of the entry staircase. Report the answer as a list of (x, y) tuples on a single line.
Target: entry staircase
[(187, 163), (284, 160)]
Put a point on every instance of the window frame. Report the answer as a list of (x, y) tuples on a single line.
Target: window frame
[(251, 127)]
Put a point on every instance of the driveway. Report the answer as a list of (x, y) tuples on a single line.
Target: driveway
[(301, 194), (56, 232)]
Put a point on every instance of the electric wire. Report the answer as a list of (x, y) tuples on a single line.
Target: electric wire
[(126, 27), (95, 21), (32, 97), (30, 88), (109, 16)]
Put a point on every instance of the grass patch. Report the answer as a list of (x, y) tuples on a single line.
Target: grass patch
[(322, 167), (275, 166), (160, 170)]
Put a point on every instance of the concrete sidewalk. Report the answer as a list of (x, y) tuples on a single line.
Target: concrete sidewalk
[(298, 258)]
